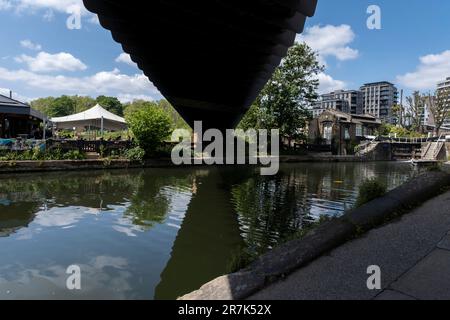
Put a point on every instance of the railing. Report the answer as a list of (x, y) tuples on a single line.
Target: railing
[(408, 140), (97, 146)]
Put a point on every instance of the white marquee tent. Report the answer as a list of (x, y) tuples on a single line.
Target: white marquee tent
[(96, 117)]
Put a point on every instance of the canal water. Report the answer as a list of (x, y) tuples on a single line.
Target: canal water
[(159, 233)]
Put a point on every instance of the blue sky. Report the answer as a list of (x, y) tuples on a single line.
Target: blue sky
[(411, 50), (40, 56)]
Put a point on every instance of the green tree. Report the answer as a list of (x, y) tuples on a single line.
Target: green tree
[(177, 121), (137, 105), (416, 109), (439, 107), (112, 104), (83, 103), (42, 104), (283, 103), (150, 126), (398, 113), (62, 106), (252, 118)]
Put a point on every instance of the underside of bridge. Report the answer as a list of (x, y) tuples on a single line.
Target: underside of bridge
[(209, 58)]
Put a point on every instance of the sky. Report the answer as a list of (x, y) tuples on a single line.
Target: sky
[(41, 56)]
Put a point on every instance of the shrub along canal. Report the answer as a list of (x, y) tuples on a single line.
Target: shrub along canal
[(160, 233)]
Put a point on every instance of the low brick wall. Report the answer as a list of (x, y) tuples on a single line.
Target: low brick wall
[(296, 254), (74, 165)]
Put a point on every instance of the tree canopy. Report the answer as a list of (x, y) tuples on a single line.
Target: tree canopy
[(284, 101), (150, 125), (63, 106), (112, 104), (68, 105)]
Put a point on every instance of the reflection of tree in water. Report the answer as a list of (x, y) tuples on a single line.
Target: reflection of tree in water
[(23, 196), (74, 189), (16, 216), (270, 209), (151, 198)]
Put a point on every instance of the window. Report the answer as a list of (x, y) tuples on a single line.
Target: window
[(346, 134), (328, 132), (359, 130)]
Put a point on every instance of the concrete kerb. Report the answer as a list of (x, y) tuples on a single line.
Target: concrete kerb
[(298, 253)]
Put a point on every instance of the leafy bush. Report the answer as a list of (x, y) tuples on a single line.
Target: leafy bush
[(370, 189), (135, 154), (74, 155), (150, 127), (37, 154)]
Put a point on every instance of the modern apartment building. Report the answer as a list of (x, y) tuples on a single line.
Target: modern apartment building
[(353, 98), (443, 92), (349, 101), (378, 100)]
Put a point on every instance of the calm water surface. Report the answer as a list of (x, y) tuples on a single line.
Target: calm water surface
[(159, 233)]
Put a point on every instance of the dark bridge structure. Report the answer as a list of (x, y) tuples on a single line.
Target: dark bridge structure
[(209, 58)]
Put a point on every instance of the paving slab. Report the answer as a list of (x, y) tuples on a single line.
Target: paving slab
[(395, 248), (445, 243), (391, 295), (429, 279)]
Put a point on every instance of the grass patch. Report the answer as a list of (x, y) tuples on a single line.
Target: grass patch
[(370, 189), (240, 259)]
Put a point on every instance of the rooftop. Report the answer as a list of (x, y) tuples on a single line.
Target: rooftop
[(11, 106), (378, 83), (360, 118)]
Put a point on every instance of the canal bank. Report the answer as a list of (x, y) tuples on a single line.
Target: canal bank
[(262, 279), (113, 164)]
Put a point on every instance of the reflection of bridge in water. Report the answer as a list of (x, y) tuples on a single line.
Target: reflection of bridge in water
[(209, 58)]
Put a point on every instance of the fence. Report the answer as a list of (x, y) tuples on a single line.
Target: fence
[(98, 146)]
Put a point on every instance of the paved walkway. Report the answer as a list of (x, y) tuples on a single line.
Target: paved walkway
[(413, 254)]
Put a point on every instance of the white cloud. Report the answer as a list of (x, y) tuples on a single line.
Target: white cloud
[(328, 84), (94, 19), (28, 44), (49, 7), (46, 62), (105, 82), (5, 5), (58, 5), (432, 69), (330, 41), (125, 58), (126, 97), (49, 15)]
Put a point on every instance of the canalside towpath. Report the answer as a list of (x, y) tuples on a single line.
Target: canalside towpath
[(412, 253)]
